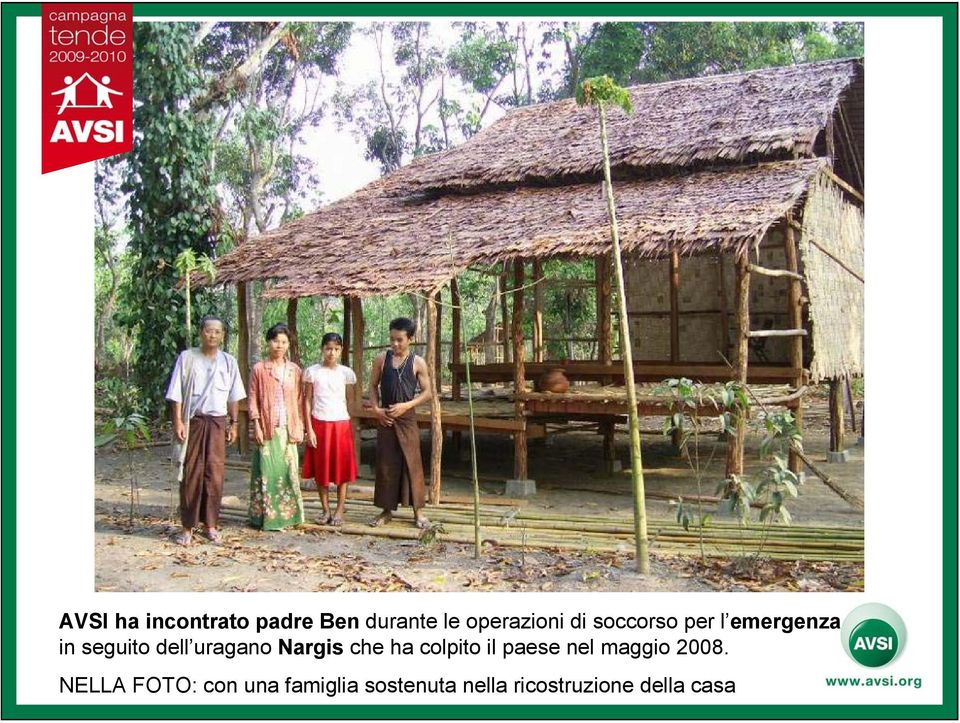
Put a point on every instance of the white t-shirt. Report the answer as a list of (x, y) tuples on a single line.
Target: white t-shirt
[(330, 391)]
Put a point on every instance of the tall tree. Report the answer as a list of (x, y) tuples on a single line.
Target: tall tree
[(172, 201), (260, 166)]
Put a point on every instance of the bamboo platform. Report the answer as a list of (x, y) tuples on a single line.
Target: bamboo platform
[(531, 529)]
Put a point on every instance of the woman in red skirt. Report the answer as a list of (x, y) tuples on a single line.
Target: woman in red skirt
[(330, 456)]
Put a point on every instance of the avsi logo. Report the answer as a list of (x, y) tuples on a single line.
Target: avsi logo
[(873, 635), (99, 131)]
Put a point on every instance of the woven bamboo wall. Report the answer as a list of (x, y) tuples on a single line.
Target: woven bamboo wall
[(701, 321), (836, 295)]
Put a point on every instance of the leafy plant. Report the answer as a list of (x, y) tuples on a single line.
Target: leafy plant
[(129, 431), (685, 424), (186, 263)]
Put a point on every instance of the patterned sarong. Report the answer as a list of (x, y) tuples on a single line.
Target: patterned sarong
[(275, 501)]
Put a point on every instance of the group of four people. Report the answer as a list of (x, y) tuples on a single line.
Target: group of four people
[(288, 407)]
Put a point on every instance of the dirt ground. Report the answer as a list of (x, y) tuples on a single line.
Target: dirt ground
[(140, 557)]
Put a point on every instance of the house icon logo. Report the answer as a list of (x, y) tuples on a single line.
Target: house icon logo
[(100, 88)]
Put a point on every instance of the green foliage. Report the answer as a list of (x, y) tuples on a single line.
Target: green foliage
[(128, 429), (645, 52), (172, 201), (117, 396), (602, 91)]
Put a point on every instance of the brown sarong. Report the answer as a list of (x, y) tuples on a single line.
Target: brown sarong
[(202, 487), (399, 465)]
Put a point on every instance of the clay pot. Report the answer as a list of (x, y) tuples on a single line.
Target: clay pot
[(553, 380)]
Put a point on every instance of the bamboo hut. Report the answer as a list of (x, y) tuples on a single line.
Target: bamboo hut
[(740, 202)]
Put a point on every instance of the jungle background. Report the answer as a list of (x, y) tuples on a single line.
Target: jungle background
[(230, 142)]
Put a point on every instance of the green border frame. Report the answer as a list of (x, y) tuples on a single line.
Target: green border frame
[(8, 576)]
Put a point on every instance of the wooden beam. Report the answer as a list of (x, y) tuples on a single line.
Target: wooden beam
[(724, 306), (345, 355), (843, 184), (837, 441), (436, 429), (604, 310), (438, 330), (538, 310), (455, 338), (359, 331), (776, 273), (292, 325), (764, 333), (243, 362), (795, 319), (455, 344), (736, 441), (504, 314), (675, 306), (519, 374)]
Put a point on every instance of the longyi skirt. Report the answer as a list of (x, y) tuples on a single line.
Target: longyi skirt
[(334, 460)]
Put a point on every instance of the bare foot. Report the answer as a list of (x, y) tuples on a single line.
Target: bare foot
[(421, 522), (183, 538), (382, 519)]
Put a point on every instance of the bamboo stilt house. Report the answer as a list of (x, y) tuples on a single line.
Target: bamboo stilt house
[(740, 204)]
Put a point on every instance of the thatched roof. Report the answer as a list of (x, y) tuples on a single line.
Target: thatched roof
[(699, 165), (373, 243), (771, 113)]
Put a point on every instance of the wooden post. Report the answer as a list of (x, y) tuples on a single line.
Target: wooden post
[(455, 340), (724, 307), (455, 344), (736, 441), (345, 355), (436, 430), (794, 321), (538, 310), (438, 361), (504, 317), (675, 306), (358, 333), (519, 375), (836, 415), (604, 313), (243, 361), (292, 325), (677, 437)]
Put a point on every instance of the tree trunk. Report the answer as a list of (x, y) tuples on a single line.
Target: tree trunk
[(292, 305)]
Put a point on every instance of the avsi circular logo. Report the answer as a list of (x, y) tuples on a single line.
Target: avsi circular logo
[(873, 635)]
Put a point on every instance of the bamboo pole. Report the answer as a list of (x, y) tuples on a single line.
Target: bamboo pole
[(736, 441), (519, 375), (537, 310), (475, 477), (639, 502), (436, 430), (765, 333), (795, 319), (292, 326)]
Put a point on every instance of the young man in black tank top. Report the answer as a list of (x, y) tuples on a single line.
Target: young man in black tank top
[(394, 380)]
